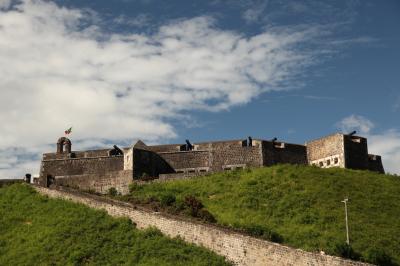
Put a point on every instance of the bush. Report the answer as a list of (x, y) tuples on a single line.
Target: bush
[(193, 204), (262, 232), (112, 191), (379, 257), (134, 187), (206, 216), (167, 200), (346, 251)]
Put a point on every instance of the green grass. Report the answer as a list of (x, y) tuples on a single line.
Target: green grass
[(36, 230), (299, 206)]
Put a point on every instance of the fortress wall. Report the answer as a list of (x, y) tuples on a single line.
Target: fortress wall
[(356, 152), (150, 164), (233, 154), (76, 154), (67, 167), (164, 148), (236, 247), (99, 183), (329, 147), (375, 163), (276, 152), (187, 159)]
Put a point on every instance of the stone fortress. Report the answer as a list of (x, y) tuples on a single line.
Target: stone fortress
[(100, 170)]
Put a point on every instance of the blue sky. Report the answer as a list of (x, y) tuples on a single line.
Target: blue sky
[(164, 71)]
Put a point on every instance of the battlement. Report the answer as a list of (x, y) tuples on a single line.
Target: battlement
[(105, 168)]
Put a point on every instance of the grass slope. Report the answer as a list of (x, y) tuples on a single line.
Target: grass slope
[(299, 206), (35, 230)]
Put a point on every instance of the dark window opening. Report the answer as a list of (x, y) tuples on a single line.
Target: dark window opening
[(247, 142), (321, 164), (328, 162), (336, 160)]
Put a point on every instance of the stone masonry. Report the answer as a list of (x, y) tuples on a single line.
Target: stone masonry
[(236, 247), (100, 170)]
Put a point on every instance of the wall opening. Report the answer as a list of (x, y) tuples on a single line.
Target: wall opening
[(64, 145)]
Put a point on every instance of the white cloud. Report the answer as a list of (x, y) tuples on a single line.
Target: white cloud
[(5, 4), (386, 144), (58, 68), (355, 122), (140, 20), (255, 11)]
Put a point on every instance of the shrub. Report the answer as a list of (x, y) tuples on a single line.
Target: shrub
[(134, 187), (112, 191), (379, 257), (167, 200), (193, 204), (346, 251), (206, 216), (262, 232), (152, 232)]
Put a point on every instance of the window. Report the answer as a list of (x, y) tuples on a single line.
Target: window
[(328, 162), (203, 170), (192, 171), (356, 140), (336, 160), (321, 164)]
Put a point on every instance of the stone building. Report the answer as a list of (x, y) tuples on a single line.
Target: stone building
[(99, 170)]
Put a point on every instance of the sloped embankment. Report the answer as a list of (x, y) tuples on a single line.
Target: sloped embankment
[(36, 230), (299, 206)]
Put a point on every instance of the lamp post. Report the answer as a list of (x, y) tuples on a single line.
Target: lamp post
[(347, 223)]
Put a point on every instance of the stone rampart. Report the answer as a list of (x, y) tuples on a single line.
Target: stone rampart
[(147, 163), (187, 159), (100, 183), (236, 247), (356, 152), (81, 166), (327, 151)]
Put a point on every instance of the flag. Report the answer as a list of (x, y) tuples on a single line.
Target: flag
[(68, 131)]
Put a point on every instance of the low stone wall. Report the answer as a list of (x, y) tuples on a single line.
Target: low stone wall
[(236, 247)]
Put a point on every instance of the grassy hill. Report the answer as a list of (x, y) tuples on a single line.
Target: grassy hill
[(35, 230), (299, 206)]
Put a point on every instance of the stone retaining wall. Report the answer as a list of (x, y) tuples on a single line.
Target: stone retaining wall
[(236, 247)]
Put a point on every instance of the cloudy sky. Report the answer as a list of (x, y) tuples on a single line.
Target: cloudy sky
[(164, 71)]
